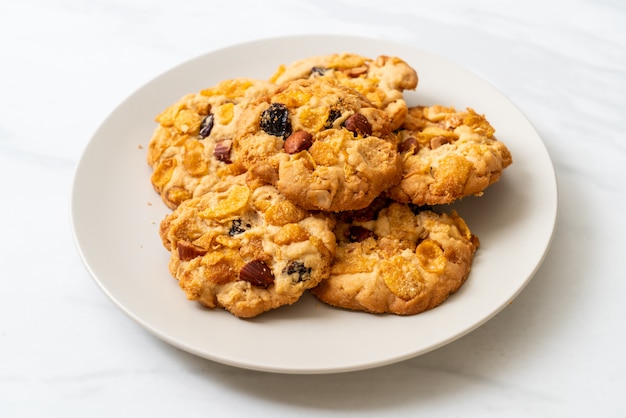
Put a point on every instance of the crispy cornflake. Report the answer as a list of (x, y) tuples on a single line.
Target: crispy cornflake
[(325, 152), (225, 113), (402, 277), (356, 258), (291, 233), (177, 195), (163, 173), (461, 225), (431, 256), (193, 158), (313, 118), (187, 121), (279, 71), (292, 98), (283, 213), (229, 88), (232, 203), (221, 267), (347, 61)]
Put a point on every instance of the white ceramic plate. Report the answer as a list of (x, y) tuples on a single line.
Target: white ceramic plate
[(116, 216)]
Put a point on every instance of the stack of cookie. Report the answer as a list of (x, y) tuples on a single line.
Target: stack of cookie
[(321, 179)]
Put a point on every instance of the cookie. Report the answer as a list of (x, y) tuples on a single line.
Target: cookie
[(322, 144), (382, 80), (247, 250), (397, 258), (447, 155), (190, 149)]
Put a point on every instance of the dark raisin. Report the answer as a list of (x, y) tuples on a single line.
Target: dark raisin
[(318, 70), (206, 126), (275, 120), (297, 267), (238, 227), (358, 233), (333, 115)]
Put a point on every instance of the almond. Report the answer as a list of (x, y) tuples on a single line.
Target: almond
[(187, 251), (222, 150), (257, 273), (409, 145), (438, 141), (358, 124), (298, 141)]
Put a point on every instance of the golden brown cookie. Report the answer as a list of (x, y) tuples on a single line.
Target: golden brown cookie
[(322, 144), (447, 154), (190, 149), (246, 249), (395, 258), (382, 80)]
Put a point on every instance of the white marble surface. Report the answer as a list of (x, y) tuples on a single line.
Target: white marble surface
[(67, 351)]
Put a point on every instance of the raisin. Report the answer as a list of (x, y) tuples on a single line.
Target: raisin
[(333, 115), (275, 120), (238, 227), (318, 70), (206, 126), (297, 267)]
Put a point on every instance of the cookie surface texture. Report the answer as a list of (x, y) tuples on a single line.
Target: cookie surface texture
[(447, 155), (190, 149), (391, 260), (321, 143), (382, 80), (246, 250)]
